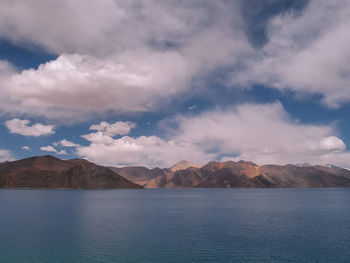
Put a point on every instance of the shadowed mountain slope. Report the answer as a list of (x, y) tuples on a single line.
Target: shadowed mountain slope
[(50, 172), (139, 174)]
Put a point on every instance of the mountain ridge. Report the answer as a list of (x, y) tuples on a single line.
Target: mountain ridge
[(50, 172), (241, 174)]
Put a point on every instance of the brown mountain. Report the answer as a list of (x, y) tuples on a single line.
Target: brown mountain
[(152, 178), (140, 175), (50, 172), (239, 175), (184, 165)]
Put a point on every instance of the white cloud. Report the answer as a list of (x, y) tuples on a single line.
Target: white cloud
[(327, 144), (86, 84), (118, 25), (98, 138), (48, 148), (260, 133), (105, 131), (41, 22), (26, 148), (117, 128), (134, 57), (145, 150), (65, 143), (307, 52), (5, 155), (22, 127), (62, 152)]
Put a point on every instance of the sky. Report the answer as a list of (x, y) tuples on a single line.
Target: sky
[(151, 83)]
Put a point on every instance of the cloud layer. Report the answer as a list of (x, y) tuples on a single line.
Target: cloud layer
[(307, 52), (261, 133), (134, 57)]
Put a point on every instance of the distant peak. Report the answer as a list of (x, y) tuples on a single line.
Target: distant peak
[(184, 165), (247, 162)]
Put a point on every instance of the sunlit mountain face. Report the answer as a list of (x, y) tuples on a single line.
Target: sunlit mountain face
[(126, 83)]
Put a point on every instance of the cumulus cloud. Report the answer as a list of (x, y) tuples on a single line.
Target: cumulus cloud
[(26, 148), (65, 143), (48, 148), (117, 128), (5, 155), (134, 57), (149, 151), (85, 83), (105, 131), (22, 127), (98, 138), (62, 143), (143, 150), (307, 52), (260, 133), (327, 144)]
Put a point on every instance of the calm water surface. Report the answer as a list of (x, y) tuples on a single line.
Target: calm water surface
[(193, 225)]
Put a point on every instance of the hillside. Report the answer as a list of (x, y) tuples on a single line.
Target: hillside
[(50, 172)]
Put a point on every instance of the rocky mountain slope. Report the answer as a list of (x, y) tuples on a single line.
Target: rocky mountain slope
[(141, 175), (152, 178), (184, 165), (239, 175), (50, 172)]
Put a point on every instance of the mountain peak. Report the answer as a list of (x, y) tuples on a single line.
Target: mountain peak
[(184, 165), (247, 162)]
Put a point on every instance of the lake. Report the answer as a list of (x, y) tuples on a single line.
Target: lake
[(175, 225)]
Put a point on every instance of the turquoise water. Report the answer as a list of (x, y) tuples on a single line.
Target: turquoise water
[(193, 225)]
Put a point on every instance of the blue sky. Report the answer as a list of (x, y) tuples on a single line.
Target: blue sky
[(130, 83)]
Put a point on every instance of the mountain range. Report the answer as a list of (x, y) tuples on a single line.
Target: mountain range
[(51, 172), (240, 174)]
